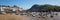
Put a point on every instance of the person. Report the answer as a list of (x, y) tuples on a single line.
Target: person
[(51, 16)]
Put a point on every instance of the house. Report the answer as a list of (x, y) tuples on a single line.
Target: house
[(2, 7), (5, 8), (16, 8)]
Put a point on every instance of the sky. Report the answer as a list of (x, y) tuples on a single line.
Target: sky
[(26, 4)]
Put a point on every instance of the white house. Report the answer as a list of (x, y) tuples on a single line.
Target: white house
[(13, 8)]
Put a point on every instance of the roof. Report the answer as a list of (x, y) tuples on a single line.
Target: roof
[(4, 6)]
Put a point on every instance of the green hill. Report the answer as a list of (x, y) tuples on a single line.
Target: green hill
[(44, 8)]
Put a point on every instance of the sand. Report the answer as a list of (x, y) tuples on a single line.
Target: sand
[(12, 17)]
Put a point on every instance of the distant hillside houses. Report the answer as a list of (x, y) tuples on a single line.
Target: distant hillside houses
[(11, 8)]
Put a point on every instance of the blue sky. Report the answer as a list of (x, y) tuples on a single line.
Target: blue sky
[(26, 4)]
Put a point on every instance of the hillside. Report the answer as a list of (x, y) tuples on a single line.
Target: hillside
[(44, 8)]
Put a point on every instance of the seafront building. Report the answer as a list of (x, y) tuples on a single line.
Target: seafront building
[(7, 8)]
